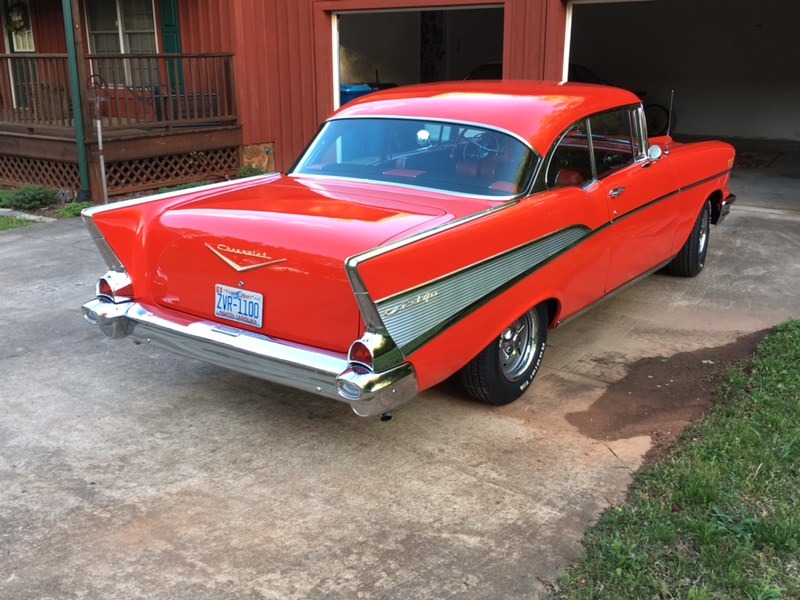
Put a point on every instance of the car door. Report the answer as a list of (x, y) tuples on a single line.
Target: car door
[(640, 193), (577, 200)]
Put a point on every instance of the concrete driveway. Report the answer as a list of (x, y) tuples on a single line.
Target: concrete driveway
[(126, 472)]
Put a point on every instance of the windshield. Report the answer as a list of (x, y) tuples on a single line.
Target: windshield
[(450, 157)]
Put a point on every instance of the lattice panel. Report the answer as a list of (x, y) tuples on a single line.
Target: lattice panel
[(21, 170), (157, 171)]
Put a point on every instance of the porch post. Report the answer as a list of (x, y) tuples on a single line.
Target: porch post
[(74, 50)]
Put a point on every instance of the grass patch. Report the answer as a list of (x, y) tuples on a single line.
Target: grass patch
[(719, 517), (73, 209), (7, 222)]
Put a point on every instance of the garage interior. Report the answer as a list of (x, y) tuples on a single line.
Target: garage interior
[(728, 68), (385, 48), (731, 68)]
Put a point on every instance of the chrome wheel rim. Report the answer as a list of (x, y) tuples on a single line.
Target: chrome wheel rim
[(518, 346), (704, 221)]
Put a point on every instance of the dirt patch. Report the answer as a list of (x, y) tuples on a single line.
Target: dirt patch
[(659, 397)]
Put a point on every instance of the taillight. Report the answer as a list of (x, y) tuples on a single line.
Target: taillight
[(360, 354), (104, 289), (115, 287)]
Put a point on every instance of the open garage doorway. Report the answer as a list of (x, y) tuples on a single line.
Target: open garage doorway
[(729, 66), (379, 49)]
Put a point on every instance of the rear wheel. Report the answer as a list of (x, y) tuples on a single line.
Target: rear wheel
[(505, 368), (692, 257)]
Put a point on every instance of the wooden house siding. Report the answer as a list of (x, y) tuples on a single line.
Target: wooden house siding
[(206, 26), (284, 55), (273, 44), (275, 50), (47, 23)]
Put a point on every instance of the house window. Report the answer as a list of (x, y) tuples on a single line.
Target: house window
[(123, 27), (23, 41), (18, 23)]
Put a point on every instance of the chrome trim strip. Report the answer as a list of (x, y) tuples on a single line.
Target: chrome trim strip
[(612, 293), (365, 302), (109, 256), (676, 192), (240, 268), (354, 261), (412, 318), (502, 130), (705, 180)]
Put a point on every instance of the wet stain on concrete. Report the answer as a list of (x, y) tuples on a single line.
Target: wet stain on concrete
[(659, 396)]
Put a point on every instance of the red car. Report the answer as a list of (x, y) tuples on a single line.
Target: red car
[(426, 231)]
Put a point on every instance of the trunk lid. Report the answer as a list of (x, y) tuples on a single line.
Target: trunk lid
[(282, 246)]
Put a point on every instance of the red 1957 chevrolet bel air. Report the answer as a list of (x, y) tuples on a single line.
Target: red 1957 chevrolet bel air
[(426, 231)]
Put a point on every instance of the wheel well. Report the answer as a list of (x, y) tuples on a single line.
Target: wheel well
[(716, 205), (553, 306)]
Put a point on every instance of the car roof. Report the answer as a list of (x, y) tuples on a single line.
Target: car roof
[(537, 111)]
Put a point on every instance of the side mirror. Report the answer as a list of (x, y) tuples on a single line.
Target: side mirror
[(654, 152)]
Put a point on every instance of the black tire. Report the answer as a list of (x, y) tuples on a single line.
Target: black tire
[(505, 368), (692, 257)]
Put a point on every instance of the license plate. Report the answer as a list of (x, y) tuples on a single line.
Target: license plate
[(239, 305)]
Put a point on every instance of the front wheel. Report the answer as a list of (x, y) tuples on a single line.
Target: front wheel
[(505, 368), (692, 257)]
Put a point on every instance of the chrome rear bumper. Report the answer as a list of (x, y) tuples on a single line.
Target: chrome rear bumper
[(723, 209), (301, 367)]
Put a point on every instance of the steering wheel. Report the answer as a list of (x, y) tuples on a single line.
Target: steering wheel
[(481, 146)]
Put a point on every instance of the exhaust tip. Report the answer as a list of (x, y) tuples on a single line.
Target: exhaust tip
[(90, 315), (348, 390)]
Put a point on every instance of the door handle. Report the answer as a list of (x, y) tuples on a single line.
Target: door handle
[(617, 192)]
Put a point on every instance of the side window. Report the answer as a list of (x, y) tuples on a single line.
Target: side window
[(612, 141), (571, 162)]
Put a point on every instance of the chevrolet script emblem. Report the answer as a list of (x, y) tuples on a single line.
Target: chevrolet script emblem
[(243, 260)]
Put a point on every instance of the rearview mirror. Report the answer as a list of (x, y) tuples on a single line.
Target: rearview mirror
[(654, 152)]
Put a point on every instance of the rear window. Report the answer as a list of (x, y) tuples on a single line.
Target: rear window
[(444, 156)]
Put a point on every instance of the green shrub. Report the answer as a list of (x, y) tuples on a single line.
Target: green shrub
[(4, 196), (30, 197), (249, 171), (73, 209)]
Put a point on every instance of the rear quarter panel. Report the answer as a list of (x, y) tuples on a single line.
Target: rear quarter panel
[(493, 268)]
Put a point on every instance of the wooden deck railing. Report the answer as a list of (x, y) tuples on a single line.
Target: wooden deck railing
[(131, 91), (34, 90), (164, 90)]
